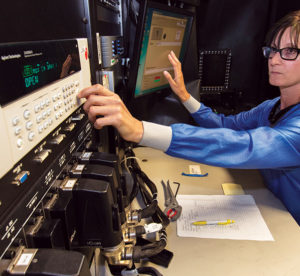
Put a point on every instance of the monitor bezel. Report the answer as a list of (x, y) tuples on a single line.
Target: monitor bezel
[(134, 67)]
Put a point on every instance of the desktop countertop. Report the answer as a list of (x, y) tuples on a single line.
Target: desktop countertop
[(199, 256)]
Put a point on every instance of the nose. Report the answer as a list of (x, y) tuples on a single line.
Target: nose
[(275, 59)]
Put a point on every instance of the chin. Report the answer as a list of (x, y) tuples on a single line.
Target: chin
[(275, 82)]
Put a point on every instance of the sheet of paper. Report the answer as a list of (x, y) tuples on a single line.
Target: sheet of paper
[(249, 224)]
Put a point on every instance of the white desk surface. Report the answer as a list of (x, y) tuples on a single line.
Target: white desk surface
[(210, 257)]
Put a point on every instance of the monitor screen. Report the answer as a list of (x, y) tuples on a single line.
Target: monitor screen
[(161, 29)]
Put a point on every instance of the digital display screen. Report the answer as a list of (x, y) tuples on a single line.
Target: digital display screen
[(32, 73), (25, 67), (164, 31)]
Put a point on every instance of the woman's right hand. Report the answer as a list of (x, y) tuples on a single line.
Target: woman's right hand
[(104, 108), (177, 84)]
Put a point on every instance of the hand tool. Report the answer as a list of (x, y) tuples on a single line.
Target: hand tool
[(173, 209)]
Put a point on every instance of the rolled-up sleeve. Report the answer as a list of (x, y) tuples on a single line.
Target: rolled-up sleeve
[(156, 136)]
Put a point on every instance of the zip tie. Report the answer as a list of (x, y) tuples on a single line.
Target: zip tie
[(195, 175), (130, 157), (127, 158)]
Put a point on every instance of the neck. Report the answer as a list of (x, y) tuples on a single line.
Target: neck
[(289, 97)]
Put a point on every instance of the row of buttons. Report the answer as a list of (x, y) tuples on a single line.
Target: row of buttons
[(41, 105), (70, 92), (69, 102), (59, 114), (29, 124), (70, 85), (44, 115), (31, 134), (66, 91), (45, 125)]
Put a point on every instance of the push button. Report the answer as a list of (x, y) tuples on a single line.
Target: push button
[(26, 114)]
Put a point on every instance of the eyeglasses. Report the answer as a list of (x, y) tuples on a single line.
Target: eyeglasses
[(285, 53)]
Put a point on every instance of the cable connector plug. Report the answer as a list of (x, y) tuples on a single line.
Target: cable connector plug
[(152, 227)]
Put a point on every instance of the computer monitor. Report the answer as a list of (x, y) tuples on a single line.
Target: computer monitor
[(160, 29)]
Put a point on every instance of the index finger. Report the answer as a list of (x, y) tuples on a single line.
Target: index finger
[(96, 89)]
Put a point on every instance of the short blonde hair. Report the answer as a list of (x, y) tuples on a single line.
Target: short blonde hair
[(292, 20)]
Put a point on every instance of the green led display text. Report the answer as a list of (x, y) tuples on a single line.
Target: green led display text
[(33, 73)]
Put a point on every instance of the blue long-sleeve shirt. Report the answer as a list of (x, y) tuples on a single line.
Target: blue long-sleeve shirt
[(245, 141)]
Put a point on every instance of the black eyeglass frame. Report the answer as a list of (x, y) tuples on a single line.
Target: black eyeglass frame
[(267, 51)]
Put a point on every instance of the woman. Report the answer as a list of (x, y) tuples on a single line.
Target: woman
[(267, 137)]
